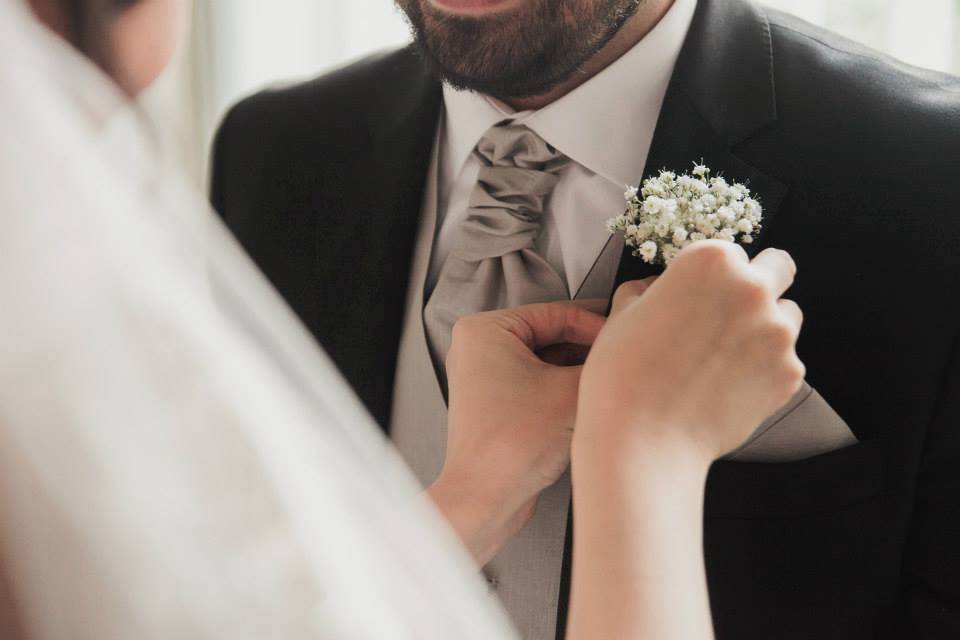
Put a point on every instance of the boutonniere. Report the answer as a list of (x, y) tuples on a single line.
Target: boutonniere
[(670, 211)]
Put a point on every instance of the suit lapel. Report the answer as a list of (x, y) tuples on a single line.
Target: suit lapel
[(381, 207), (721, 92)]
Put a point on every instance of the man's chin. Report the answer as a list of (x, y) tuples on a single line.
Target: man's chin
[(512, 48), (474, 8)]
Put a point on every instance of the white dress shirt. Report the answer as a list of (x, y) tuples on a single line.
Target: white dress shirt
[(605, 126)]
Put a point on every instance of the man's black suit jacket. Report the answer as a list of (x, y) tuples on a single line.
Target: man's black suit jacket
[(855, 157)]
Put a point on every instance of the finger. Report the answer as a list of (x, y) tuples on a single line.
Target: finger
[(777, 268), (545, 324), (630, 291), (791, 310)]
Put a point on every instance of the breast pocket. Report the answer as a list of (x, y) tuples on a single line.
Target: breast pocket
[(819, 484)]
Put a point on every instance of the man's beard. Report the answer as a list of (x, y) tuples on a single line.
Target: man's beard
[(518, 54)]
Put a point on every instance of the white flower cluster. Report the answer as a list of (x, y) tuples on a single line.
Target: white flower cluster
[(670, 211)]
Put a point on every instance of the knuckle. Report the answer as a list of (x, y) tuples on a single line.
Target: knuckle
[(798, 370), (752, 292), (625, 293), (708, 261), (787, 259), (793, 312), (711, 254), (793, 373), (795, 309), (780, 335)]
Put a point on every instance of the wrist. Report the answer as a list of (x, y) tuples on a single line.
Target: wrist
[(482, 516), (665, 480), (617, 442), (638, 548)]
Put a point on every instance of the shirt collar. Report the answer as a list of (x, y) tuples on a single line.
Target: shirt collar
[(606, 124)]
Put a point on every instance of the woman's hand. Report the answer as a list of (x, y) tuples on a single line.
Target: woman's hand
[(510, 419), (675, 380), (702, 359)]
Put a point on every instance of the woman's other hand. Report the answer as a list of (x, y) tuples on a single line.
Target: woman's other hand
[(675, 380), (702, 359), (510, 419)]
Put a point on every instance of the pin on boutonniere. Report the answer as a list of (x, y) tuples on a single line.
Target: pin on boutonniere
[(670, 211)]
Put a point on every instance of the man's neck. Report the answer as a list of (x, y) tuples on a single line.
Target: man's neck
[(632, 32)]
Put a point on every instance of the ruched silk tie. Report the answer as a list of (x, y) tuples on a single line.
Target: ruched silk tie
[(493, 263)]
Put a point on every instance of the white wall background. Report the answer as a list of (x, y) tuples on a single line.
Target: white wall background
[(239, 46), (255, 42), (921, 32)]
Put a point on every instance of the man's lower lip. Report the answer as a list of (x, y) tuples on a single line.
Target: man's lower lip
[(471, 6)]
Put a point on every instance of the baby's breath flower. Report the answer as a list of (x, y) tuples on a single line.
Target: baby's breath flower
[(648, 250), (651, 205), (727, 234), (702, 224), (670, 211)]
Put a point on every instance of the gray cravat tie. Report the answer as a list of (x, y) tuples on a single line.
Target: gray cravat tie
[(493, 263)]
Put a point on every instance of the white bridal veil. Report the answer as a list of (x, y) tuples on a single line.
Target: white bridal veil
[(177, 458)]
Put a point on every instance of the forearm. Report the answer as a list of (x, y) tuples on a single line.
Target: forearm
[(638, 559)]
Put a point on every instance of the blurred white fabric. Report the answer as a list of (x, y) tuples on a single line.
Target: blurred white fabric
[(177, 458)]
